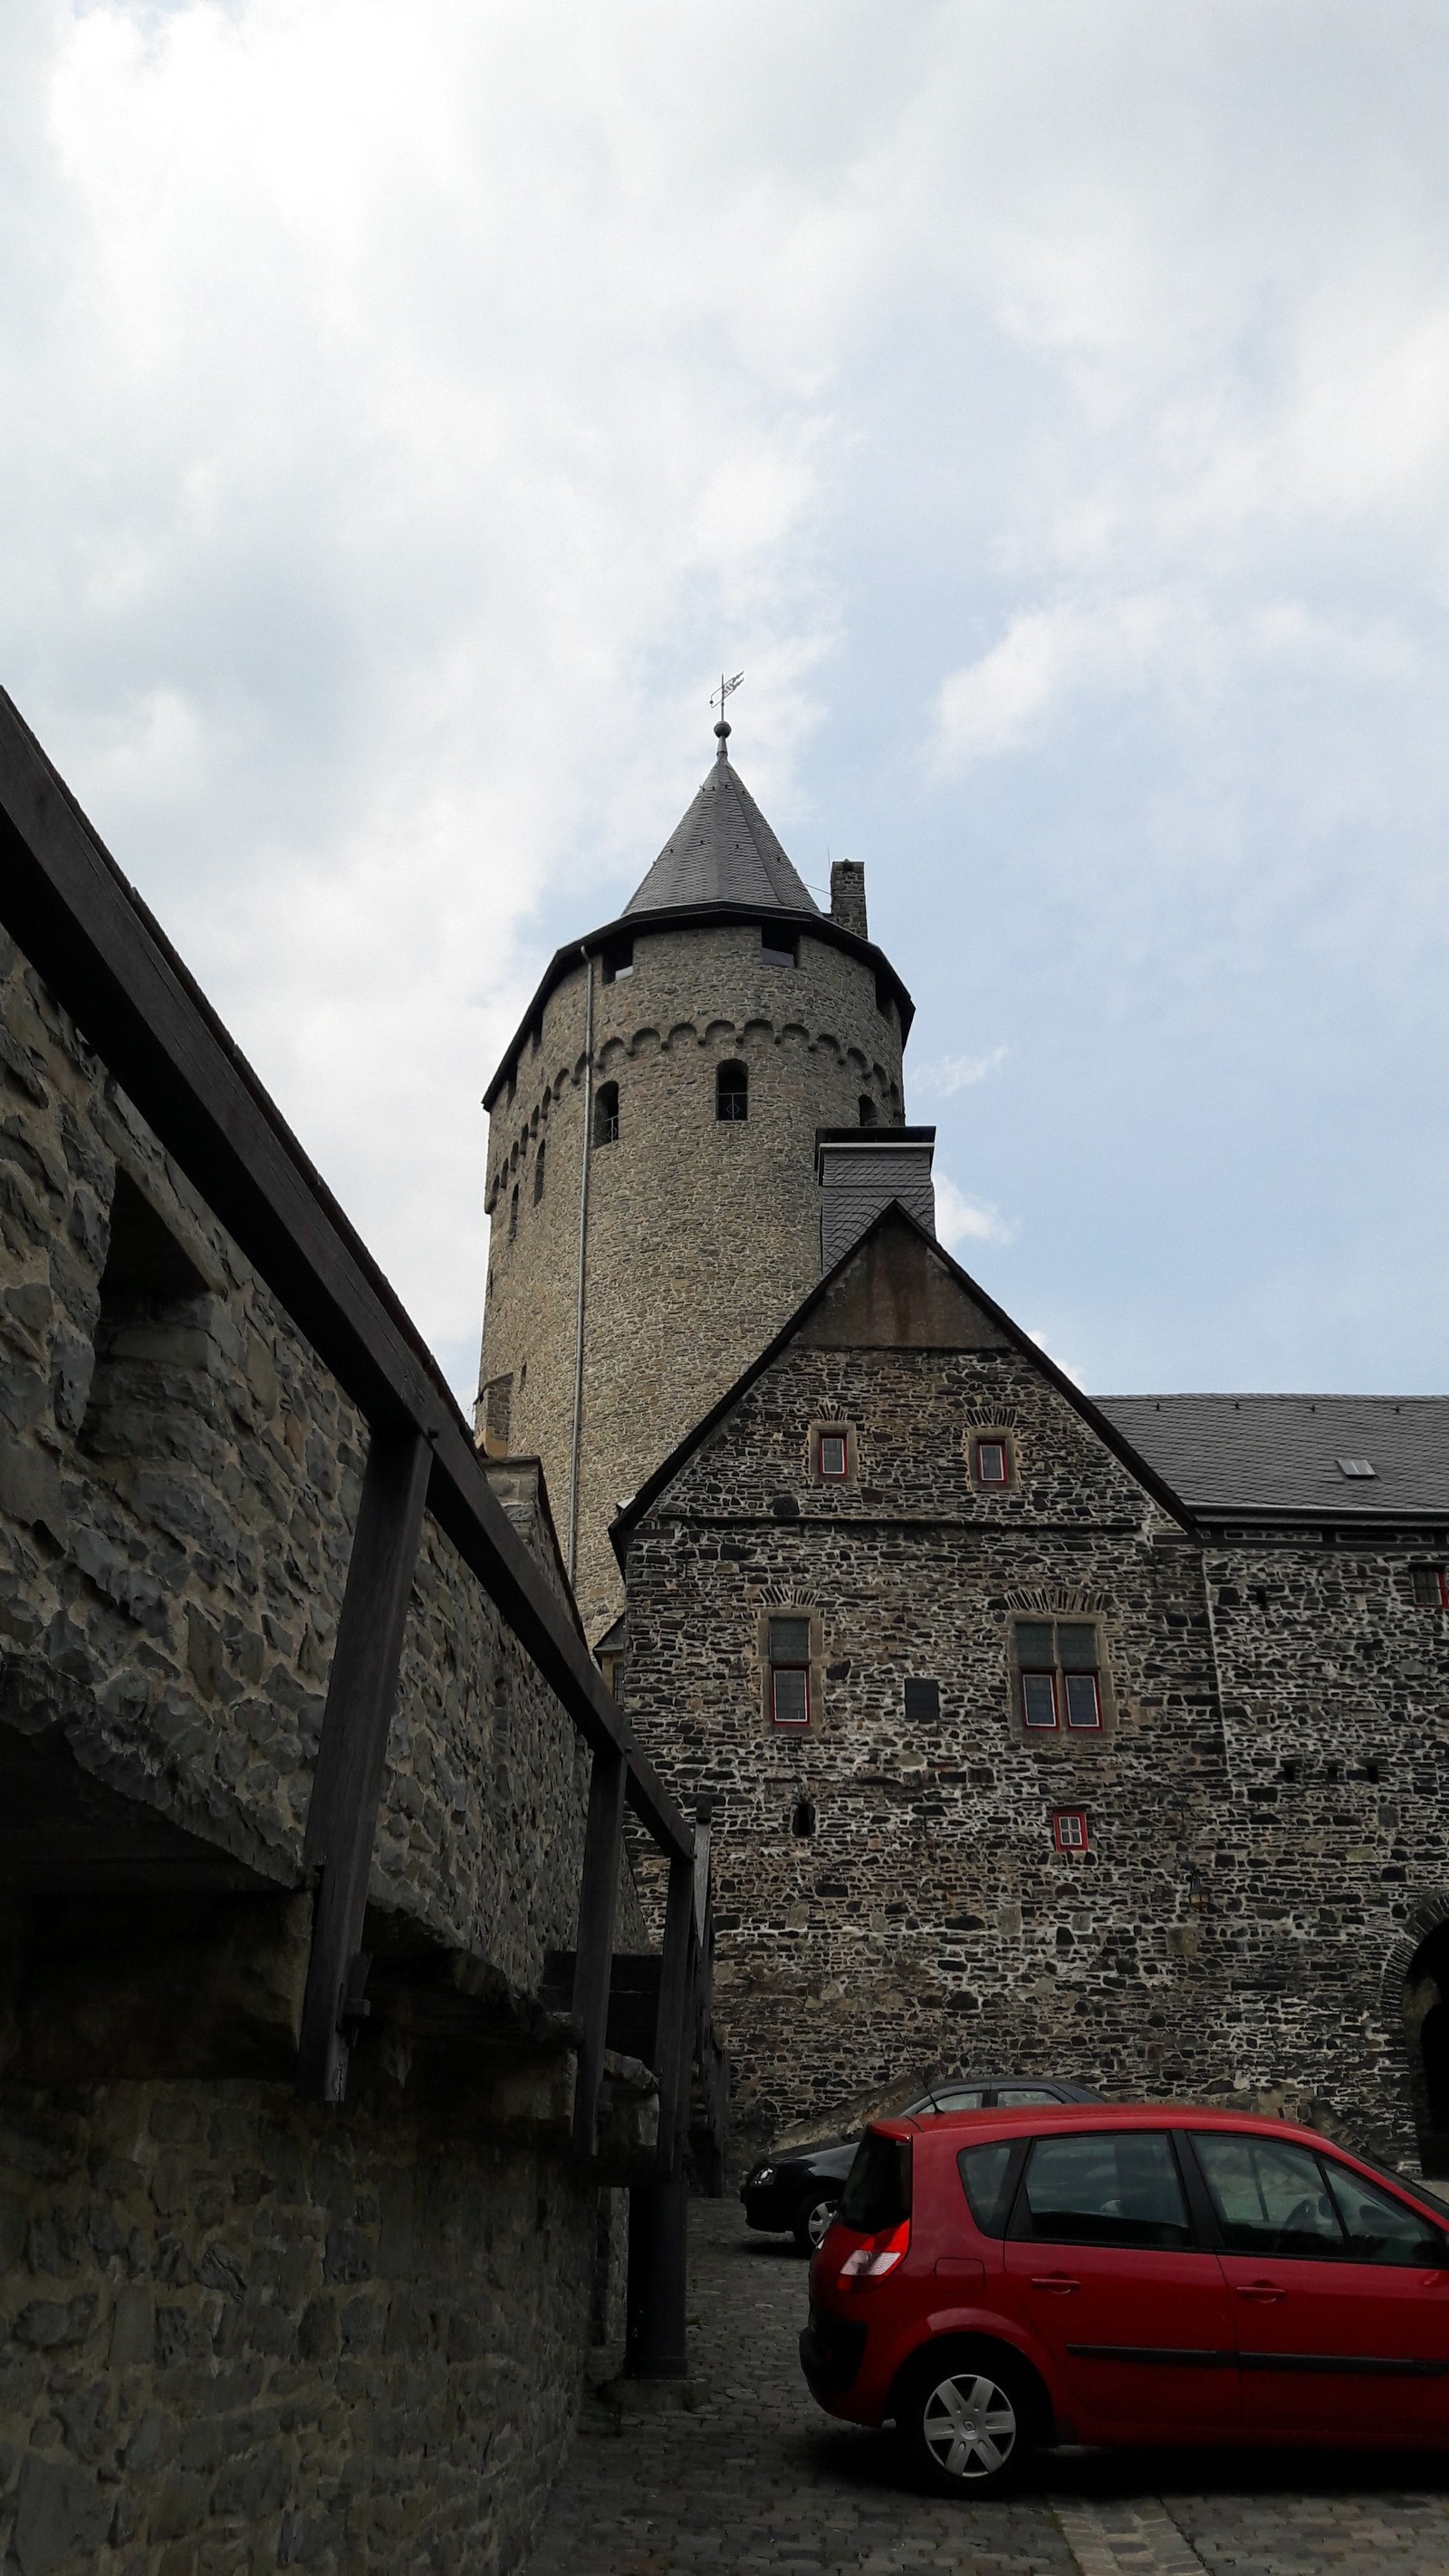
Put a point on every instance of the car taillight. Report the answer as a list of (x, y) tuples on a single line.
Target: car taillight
[(877, 2256)]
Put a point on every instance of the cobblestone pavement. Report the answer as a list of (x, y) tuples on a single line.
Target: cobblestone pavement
[(757, 2478)]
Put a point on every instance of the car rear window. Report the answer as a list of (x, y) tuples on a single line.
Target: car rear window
[(983, 2172), (1114, 2187), (877, 2190)]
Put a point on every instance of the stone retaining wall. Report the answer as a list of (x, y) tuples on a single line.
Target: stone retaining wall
[(235, 2333)]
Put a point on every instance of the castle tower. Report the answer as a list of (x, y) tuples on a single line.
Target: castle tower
[(653, 1185)]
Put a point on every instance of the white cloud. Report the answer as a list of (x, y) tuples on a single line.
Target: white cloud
[(406, 405), (949, 1074), (962, 1220)]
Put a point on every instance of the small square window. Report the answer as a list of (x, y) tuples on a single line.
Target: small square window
[(777, 949), (832, 1456), (922, 1701), (989, 1460), (618, 960), (1039, 1699), (1430, 1586), (1076, 1647), (789, 1641), (1069, 1830)]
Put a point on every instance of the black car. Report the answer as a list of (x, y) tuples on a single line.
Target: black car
[(794, 2191)]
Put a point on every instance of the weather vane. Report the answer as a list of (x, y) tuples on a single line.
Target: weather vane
[(717, 698)]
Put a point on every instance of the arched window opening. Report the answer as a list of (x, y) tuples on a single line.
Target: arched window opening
[(513, 1214), (732, 1092), (802, 1818), (867, 1108), (538, 1173), (606, 1114)]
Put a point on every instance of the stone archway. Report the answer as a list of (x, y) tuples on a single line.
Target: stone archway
[(1425, 1996)]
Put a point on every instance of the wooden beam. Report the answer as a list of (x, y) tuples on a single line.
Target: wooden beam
[(702, 1814), (594, 1953), (111, 967), (347, 1782), (674, 2026)]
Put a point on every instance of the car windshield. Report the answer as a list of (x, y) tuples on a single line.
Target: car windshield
[(1435, 2201), (877, 2192)]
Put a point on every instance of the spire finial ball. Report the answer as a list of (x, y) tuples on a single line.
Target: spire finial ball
[(722, 730)]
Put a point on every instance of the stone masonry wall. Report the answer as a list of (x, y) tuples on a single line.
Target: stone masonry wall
[(1336, 1701), (703, 1234), (929, 1919), (235, 2333), (177, 1494), (238, 2335), (1267, 1808)]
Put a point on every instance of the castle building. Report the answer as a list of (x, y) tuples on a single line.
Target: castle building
[(651, 1155), (1098, 1738)]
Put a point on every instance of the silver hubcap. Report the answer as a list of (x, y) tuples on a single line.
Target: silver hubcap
[(819, 2220), (969, 2426)]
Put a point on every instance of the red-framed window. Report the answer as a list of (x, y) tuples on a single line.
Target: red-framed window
[(1058, 1664), (1430, 1584), (789, 1647), (990, 1462), (1069, 1830), (1038, 1696), (832, 1457)]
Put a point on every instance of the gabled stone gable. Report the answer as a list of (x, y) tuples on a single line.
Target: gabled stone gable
[(928, 1919)]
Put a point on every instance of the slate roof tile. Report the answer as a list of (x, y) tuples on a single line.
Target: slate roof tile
[(1276, 1453), (723, 851)]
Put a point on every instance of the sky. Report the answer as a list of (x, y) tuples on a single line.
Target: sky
[(408, 408)]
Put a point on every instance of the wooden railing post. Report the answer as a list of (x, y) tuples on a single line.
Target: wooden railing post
[(594, 1949), (347, 1782), (673, 2030)]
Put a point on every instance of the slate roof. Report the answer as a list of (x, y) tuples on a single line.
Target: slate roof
[(723, 851), (1274, 1454)]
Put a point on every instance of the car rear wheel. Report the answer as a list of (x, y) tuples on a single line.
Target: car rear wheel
[(968, 2422), (813, 2220)]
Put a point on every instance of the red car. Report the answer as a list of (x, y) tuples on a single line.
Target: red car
[(997, 2281)]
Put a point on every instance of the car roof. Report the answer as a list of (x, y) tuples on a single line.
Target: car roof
[(1063, 2117)]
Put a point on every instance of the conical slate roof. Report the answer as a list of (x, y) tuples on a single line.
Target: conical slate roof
[(722, 852)]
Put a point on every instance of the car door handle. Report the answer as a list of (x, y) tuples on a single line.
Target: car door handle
[(1060, 2283), (1266, 2291)]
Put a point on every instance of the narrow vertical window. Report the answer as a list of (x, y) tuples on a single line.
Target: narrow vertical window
[(1036, 1664), (832, 1456), (618, 960), (990, 1463), (1077, 1657), (732, 1092), (538, 1172), (790, 1672), (513, 1214), (867, 1109), (606, 1114)]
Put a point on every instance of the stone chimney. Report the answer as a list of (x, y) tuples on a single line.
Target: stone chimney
[(861, 1169), (847, 895)]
